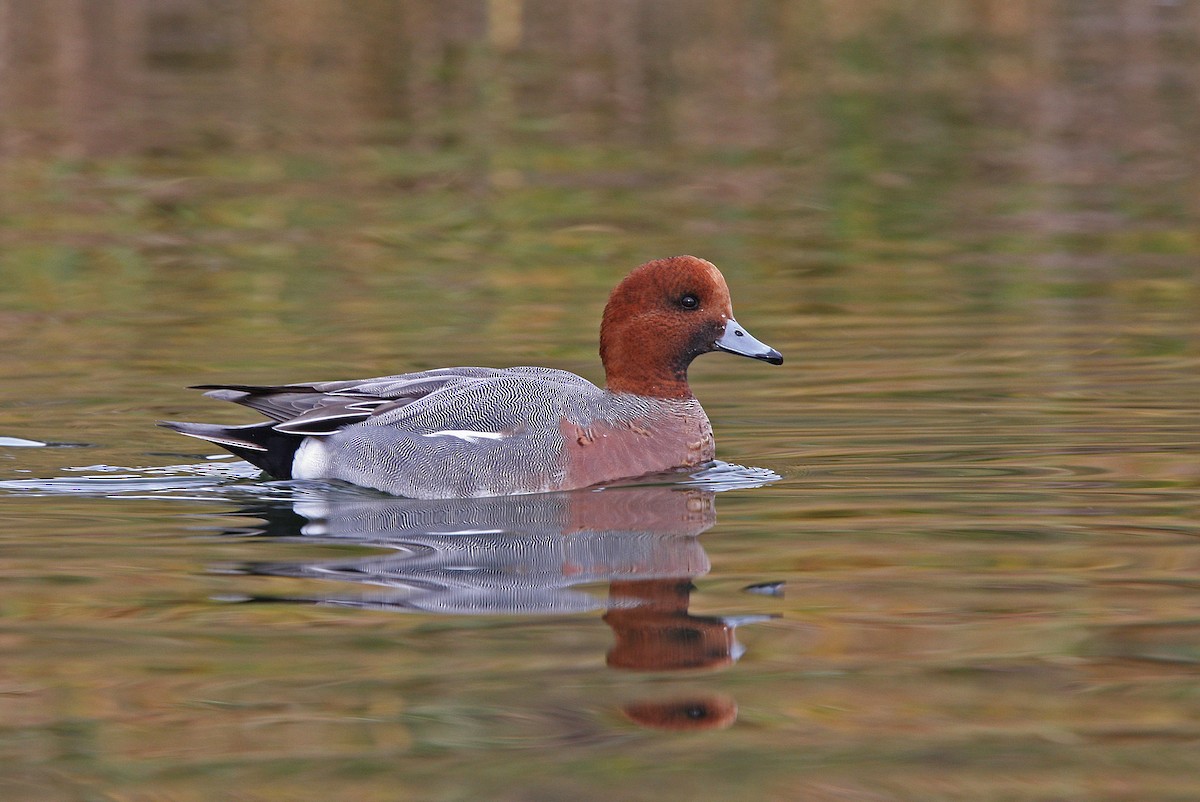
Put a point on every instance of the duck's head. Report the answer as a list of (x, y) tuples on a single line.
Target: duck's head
[(662, 316)]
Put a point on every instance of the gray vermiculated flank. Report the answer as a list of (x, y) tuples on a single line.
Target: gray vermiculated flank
[(400, 451)]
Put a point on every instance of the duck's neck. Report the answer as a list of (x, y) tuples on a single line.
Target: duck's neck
[(644, 372), (654, 388)]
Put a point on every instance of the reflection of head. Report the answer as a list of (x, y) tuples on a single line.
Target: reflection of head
[(708, 712), (655, 633)]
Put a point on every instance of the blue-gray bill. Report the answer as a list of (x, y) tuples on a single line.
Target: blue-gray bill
[(737, 340)]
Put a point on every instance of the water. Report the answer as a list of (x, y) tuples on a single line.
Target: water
[(960, 559)]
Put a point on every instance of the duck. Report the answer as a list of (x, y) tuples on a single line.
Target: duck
[(473, 432)]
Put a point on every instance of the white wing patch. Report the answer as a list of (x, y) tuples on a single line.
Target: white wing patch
[(468, 435)]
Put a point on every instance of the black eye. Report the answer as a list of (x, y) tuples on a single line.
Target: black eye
[(689, 301)]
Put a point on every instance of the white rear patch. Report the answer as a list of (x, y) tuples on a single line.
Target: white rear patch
[(311, 460), (468, 435)]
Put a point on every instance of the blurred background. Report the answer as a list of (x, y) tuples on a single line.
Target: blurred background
[(161, 159)]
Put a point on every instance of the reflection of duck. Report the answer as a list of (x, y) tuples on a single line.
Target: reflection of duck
[(528, 555), (502, 555)]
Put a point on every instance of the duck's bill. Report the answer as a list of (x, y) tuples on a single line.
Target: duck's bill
[(737, 340)]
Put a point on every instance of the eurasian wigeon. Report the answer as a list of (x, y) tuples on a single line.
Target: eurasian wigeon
[(471, 432)]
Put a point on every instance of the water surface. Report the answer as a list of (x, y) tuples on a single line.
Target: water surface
[(961, 561)]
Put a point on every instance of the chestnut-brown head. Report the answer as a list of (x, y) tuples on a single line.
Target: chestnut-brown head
[(662, 316)]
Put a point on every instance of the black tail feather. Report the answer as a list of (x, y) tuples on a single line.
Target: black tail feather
[(259, 444)]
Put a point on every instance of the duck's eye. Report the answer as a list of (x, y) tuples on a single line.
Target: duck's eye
[(689, 301)]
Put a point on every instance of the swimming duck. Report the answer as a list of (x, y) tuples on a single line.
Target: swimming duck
[(474, 432)]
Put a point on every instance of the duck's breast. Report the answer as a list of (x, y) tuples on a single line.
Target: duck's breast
[(629, 435)]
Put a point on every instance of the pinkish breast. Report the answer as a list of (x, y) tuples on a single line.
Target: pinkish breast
[(672, 435)]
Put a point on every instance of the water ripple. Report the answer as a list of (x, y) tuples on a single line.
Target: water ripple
[(225, 479)]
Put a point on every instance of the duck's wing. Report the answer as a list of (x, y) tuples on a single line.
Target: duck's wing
[(321, 408)]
